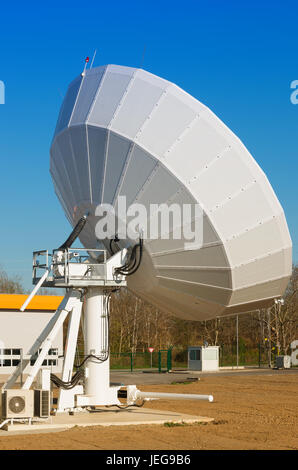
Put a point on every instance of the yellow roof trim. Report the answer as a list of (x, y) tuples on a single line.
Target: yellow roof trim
[(39, 302)]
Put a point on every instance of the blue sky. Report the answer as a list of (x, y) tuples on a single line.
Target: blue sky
[(238, 58)]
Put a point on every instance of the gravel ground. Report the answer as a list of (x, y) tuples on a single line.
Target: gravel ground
[(250, 411)]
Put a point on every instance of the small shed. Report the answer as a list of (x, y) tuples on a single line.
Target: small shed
[(203, 358)]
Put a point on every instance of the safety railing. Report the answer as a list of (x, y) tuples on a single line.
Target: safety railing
[(71, 264)]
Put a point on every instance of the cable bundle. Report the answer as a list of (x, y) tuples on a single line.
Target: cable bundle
[(104, 357), (134, 262), (68, 385)]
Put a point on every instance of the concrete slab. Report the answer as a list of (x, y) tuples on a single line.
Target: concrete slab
[(111, 417)]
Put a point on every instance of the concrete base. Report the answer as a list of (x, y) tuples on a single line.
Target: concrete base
[(104, 417)]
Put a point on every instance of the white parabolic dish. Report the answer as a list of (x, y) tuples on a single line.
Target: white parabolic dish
[(124, 131)]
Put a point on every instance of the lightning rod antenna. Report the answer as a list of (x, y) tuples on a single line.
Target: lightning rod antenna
[(93, 58)]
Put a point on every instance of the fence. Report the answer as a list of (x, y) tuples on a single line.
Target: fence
[(160, 360), (164, 360), (247, 356), (258, 356)]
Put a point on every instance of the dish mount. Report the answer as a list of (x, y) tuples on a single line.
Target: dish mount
[(90, 278)]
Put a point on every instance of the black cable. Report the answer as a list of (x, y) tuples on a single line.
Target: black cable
[(100, 358), (111, 249), (121, 407), (128, 265), (132, 268), (124, 407), (75, 233), (133, 265), (131, 262), (132, 271), (70, 384), (116, 239)]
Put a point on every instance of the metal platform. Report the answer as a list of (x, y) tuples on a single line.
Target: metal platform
[(76, 267)]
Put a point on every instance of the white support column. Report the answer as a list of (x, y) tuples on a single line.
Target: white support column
[(97, 373), (66, 397), (96, 331), (73, 298), (71, 342), (38, 285)]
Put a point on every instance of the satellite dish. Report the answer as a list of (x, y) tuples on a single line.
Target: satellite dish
[(122, 131)]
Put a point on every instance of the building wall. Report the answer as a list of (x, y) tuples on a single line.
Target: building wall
[(19, 330)]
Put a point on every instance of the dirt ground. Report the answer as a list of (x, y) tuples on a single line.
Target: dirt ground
[(250, 412)]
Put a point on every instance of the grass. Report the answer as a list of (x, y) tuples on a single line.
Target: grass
[(170, 424), (182, 383)]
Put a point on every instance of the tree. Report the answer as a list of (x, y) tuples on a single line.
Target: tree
[(285, 316), (10, 285)]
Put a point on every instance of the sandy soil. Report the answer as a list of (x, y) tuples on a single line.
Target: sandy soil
[(250, 412)]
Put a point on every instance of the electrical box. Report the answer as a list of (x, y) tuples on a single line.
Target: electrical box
[(203, 358), (283, 362)]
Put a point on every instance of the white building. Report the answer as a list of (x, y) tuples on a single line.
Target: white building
[(19, 330), (203, 358)]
